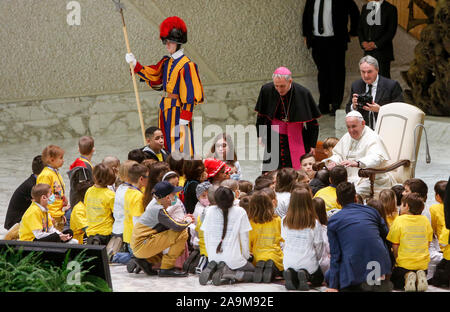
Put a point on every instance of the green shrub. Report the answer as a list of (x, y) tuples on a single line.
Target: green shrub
[(29, 273)]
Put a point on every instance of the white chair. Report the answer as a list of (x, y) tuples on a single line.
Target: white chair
[(400, 126)]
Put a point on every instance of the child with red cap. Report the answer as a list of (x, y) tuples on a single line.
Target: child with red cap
[(217, 170)]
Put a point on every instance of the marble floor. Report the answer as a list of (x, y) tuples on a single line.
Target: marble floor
[(15, 167)]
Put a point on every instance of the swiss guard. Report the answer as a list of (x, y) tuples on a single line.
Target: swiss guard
[(178, 77)]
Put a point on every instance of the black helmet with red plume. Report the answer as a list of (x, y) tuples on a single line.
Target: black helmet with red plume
[(173, 29)]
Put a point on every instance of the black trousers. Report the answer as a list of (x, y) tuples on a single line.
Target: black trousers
[(442, 275), (398, 277), (329, 56)]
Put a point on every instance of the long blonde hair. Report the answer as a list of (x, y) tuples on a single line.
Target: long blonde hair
[(389, 201)]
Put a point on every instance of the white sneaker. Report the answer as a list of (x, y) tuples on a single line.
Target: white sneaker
[(422, 283), (410, 281)]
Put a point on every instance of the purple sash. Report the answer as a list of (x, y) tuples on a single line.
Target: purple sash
[(294, 132)]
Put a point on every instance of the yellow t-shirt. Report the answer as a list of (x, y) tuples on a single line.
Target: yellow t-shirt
[(328, 194), (159, 156), (413, 233), (437, 218), (182, 181), (265, 241), (390, 219), (78, 221), (133, 207), (99, 203), (33, 219), (201, 237), (443, 242), (54, 179)]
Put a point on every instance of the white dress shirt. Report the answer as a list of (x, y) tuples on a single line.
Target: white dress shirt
[(327, 19)]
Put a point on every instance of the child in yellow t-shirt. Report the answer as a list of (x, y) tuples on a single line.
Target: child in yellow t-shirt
[(411, 234), (265, 236), (99, 201), (36, 223), (78, 219), (53, 158), (437, 210), (133, 200), (337, 175), (441, 277)]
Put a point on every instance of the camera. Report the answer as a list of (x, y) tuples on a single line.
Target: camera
[(363, 99)]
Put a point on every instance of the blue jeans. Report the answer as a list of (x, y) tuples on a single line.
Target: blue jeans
[(123, 257)]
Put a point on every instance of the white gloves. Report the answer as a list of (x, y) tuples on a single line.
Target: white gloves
[(184, 122), (129, 57)]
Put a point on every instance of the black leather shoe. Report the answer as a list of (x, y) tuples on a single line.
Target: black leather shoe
[(145, 266), (172, 273)]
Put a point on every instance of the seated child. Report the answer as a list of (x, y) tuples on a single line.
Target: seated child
[(337, 175), (328, 145), (234, 186), (320, 181), (81, 168), (303, 236), (411, 234), (398, 189), (441, 277), (418, 186), (389, 202), (99, 201), (53, 158), (133, 200), (302, 176), (228, 255), (437, 210), (114, 163), (307, 161), (263, 182), (286, 177), (265, 236), (155, 144), (197, 259), (137, 155), (176, 163), (36, 224), (321, 212), (21, 200), (245, 188), (176, 210), (217, 170), (78, 218)]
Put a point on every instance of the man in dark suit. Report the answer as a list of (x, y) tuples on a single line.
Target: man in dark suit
[(376, 30), (383, 91), (357, 237), (325, 29)]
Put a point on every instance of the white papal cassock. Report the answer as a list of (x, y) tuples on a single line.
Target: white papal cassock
[(371, 152)]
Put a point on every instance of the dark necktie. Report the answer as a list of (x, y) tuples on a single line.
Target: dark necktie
[(321, 17), (371, 116)]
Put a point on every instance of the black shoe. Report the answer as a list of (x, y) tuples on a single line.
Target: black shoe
[(172, 273), (188, 262), (268, 271), (145, 266), (291, 279), (258, 275), (131, 266), (207, 273), (217, 276), (302, 280)]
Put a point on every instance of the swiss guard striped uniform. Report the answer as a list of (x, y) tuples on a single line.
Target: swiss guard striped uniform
[(178, 77)]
